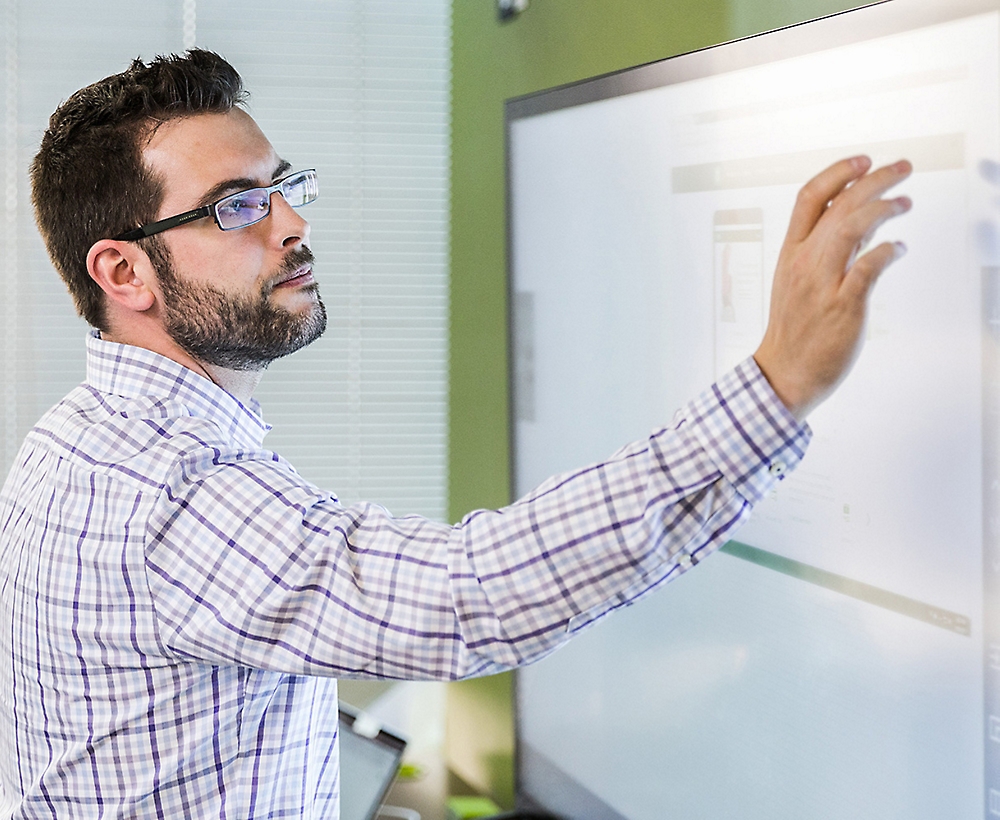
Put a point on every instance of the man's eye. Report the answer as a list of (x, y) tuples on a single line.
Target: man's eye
[(244, 204)]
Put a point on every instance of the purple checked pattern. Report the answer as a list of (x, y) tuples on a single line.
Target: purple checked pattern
[(177, 602)]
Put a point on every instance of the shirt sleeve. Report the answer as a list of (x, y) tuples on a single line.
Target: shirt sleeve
[(248, 564)]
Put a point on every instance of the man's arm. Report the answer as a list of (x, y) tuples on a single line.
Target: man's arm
[(250, 565)]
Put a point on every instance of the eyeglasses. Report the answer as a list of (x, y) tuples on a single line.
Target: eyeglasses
[(241, 209)]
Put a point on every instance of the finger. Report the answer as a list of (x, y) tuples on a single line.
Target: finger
[(867, 269), (853, 229), (871, 186), (816, 194)]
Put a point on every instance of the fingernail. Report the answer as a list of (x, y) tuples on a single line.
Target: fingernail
[(900, 249), (903, 166), (861, 162), (902, 204)]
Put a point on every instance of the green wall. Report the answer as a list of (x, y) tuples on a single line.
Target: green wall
[(552, 42), (752, 16)]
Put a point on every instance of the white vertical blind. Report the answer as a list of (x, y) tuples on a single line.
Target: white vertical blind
[(8, 251), (355, 88)]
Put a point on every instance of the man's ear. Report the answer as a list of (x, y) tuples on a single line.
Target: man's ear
[(123, 272)]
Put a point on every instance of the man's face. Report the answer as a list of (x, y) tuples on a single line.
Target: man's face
[(241, 298)]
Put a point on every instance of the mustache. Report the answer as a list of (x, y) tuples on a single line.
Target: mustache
[(292, 262)]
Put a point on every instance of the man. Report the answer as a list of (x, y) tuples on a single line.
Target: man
[(177, 602)]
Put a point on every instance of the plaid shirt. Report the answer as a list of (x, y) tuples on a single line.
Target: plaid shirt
[(177, 602)]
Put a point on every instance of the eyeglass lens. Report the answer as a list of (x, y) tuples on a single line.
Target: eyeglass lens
[(247, 207)]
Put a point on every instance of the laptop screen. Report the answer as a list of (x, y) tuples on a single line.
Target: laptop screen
[(369, 760)]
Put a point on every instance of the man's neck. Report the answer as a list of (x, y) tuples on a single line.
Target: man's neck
[(238, 383)]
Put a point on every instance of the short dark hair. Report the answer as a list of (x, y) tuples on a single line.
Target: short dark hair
[(88, 180)]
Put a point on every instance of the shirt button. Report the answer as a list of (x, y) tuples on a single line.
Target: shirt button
[(777, 469), (684, 562)]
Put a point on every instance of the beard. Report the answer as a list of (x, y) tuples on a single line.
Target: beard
[(236, 331)]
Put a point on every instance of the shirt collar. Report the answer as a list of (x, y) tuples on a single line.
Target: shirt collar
[(133, 372)]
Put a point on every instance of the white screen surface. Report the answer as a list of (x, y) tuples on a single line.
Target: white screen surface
[(832, 664)]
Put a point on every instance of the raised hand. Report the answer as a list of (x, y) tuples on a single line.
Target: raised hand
[(821, 285)]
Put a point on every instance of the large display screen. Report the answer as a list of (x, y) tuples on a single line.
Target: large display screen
[(841, 657)]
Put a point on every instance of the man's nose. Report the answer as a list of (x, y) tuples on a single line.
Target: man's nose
[(288, 222)]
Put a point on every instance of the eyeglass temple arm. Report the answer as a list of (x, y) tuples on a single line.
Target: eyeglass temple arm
[(165, 224)]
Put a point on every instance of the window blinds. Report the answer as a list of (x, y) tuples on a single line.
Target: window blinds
[(355, 88)]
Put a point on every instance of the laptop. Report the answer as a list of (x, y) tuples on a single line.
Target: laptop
[(369, 760)]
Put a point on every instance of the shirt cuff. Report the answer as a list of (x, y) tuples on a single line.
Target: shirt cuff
[(747, 431)]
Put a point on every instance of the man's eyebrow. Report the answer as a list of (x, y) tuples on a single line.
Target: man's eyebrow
[(230, 186)]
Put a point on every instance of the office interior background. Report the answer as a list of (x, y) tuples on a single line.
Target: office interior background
[(399, 105)]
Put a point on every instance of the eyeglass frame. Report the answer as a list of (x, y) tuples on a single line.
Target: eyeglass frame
[(152, 228)]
